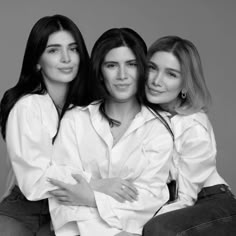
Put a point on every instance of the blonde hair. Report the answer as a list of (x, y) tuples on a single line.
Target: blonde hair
[(197, 94)]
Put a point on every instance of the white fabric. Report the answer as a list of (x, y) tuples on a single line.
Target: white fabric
[(194, 160), (142, 155), (31, 125)]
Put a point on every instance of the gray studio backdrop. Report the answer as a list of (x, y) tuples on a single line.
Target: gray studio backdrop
[(210, 24)]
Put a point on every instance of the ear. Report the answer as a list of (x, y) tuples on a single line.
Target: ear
[(38, 67)]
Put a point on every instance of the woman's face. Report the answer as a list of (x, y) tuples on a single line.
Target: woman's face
[(59, 62), (164, 79), (120, 75)]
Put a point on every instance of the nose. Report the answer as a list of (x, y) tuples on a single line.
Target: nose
[(65, 56), (122, 73), (157, 79)]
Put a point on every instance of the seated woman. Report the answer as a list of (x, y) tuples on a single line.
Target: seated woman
[(176, 84), (114, 138), (54, 69)]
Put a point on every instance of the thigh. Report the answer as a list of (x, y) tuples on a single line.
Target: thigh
[(220, 227), (171, 223), (45, 230), (212, 214), (219, 219), (31, 214), (11, 227)]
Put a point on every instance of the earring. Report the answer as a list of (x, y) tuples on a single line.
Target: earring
[(183, 94), (38, 67)]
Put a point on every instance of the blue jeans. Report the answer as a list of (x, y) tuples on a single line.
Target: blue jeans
[(214, 214), (21, 217)]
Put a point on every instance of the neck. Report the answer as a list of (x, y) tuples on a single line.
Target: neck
[(122, 110), (58, 93), (170, 107)]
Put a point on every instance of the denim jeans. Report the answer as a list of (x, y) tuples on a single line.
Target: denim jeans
[(214, 214), (21, 217)]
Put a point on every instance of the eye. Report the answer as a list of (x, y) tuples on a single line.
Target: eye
[(151, 66), (110, 65), (52, 50), (74, 49), (132, 64), (172, 74)]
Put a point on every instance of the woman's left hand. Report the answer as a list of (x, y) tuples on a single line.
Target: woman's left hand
[(79, 194)]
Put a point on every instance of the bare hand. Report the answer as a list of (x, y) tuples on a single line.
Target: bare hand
[(119, 189), (80, 194)]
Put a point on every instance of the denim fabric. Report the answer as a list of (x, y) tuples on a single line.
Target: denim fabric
[(18, 216), (214, 214)]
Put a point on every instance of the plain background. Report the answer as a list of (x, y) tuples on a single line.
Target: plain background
[(209, 24)]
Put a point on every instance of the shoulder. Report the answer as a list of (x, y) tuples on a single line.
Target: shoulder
[(34, 100), (197, 121), (81, 110), (34, 103), (79, 114)]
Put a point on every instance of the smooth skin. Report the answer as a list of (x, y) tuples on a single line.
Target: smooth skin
[(59, 64), (164, 80), (119, 71)]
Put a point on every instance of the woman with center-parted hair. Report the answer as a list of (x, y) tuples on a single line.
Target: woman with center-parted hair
[(52, 78), (121, 147)]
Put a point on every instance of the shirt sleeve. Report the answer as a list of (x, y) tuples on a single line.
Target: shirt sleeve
[(151, 185), (66, 148), (66, 153), (196, 163), (29, 146)]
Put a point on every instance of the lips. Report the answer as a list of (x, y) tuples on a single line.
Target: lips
[(154, 91), (66, 70), (122, 86)]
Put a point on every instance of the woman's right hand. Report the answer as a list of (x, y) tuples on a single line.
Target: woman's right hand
[(119, 189)]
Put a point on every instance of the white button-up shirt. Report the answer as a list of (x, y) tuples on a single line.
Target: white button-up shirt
[(194, 159), (31, 126), (142, 156)]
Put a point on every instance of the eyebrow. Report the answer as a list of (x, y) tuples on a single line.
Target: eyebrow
[(59, 45), (118, 62), (171, 69), (177, 71)]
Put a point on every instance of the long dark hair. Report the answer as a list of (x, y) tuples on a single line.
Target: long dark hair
[(31, 80)]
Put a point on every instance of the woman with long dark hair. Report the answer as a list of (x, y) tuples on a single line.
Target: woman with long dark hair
[(121, 148), (52, 80)]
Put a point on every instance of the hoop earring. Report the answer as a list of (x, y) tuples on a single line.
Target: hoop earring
[(183, 94)]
